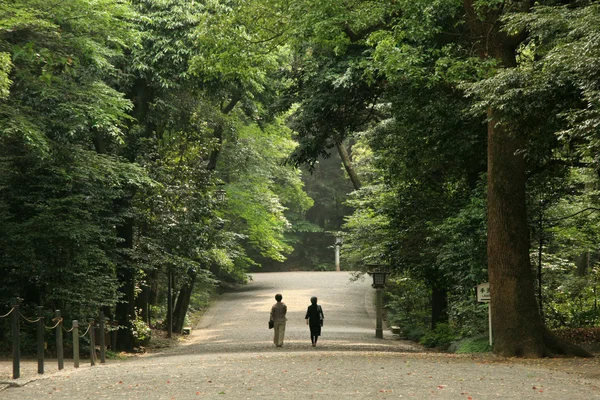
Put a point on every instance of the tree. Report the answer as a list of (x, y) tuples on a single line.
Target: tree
[(510, 272), (170, 238), (261, 190), (59, 209), (437, 50)]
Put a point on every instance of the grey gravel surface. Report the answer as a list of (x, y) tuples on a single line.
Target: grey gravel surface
[(230, 355)]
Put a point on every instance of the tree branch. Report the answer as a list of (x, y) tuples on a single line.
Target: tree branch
[(551, 163), (572, 215), (356, 36)]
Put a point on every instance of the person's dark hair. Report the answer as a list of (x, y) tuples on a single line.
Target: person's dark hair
[(278, 297), (313, 300)]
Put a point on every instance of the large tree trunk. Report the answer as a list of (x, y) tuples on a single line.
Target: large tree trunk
[(517, 325), (183, 302), (518, 329)]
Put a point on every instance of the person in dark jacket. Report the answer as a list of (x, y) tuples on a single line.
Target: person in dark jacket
[(314, 319)]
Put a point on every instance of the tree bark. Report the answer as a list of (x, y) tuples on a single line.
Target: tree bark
[(439, 305), (218, 133), (518, 329), (183, 302), (348, 165), (517, 325)]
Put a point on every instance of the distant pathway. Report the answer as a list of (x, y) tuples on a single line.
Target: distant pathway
[(230, 355), (238, 322)]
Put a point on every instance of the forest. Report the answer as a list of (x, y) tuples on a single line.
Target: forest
[(149, 146)]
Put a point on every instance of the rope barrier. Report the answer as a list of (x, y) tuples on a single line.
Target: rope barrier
[(11, 310), (55, 319), (58, 321), (31, 321), (87, 330)]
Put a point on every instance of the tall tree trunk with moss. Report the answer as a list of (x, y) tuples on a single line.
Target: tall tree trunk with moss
[(518, 329)]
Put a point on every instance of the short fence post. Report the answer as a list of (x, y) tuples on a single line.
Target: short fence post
[(102, 339), (59, 341), (40, 340), (92, 343), (16, 343), (76, 343)]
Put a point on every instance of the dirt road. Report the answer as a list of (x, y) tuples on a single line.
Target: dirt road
[(230, 355)]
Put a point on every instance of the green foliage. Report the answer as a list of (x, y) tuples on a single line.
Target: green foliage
[(141, 331), (368, 229), (260, 189), (570, 299), (468, 317), (414, 332), (58, 231), (442, 336), (58, 49), (112, 114), (462, 238), (239, 43), (480, 344), (407, 303), (5, 82), (167, 42)]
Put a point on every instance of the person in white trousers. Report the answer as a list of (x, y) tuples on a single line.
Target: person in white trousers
[(278, 312)]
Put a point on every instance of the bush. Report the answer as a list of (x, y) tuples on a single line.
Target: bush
[(414, 333), (570, 301), (141, 331), (442, 336), (408, 305), (469, 317), (479, 344)]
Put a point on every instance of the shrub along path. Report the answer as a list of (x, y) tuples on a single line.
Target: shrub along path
[(230, 354)]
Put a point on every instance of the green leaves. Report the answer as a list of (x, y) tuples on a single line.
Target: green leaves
[(240, 43), (5, 82), (261, 189), (61, 205), (59, 224)]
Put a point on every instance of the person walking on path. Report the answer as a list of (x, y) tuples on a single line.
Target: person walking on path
[(278, 312), (314, 319)]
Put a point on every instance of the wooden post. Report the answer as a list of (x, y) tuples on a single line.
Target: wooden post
[(40, 340), (16, 343), (379, 326), (76, 343), (170, 306), (102, 339), (59, 341), (92, 343)]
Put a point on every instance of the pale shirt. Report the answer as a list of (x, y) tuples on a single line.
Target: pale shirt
[(278, 311)]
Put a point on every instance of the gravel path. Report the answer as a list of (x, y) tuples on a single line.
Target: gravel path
[(230, 355)]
